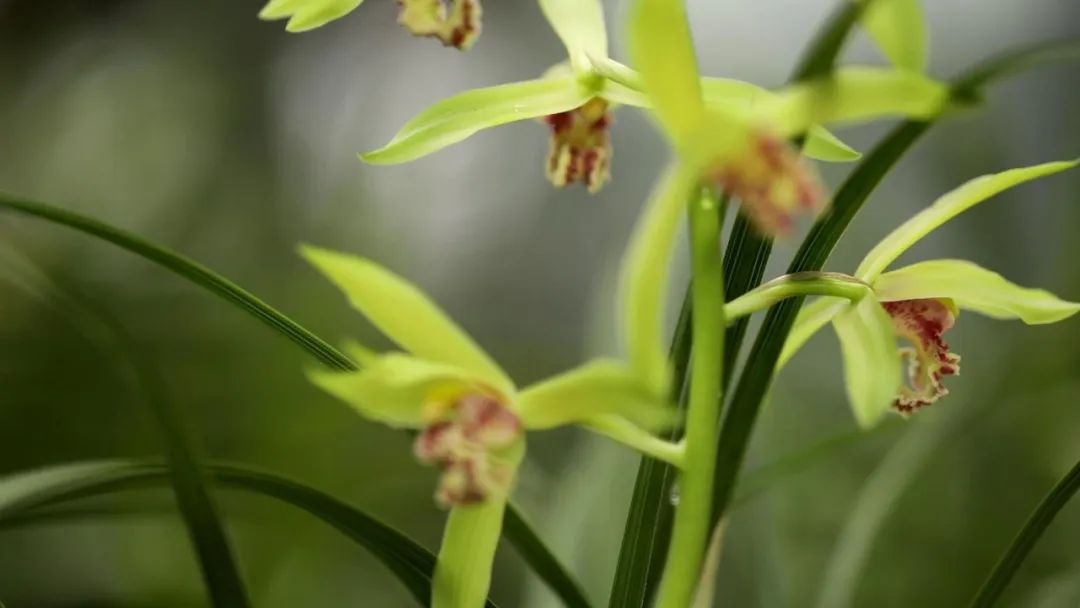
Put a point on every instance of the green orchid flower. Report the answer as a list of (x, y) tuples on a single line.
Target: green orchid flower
[(739, 145), (576, 98), (455, 23), (730, 135), (918, 304), (470, 416)]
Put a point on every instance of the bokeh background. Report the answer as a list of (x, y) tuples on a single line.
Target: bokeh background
[(202, 128)]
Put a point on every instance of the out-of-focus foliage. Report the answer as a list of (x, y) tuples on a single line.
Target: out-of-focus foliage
[(230, 140)]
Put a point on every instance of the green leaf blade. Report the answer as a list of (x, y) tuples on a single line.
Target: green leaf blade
[(457, 118)]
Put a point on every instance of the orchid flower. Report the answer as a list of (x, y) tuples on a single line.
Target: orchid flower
[(731, 135), (470, 416), (455, 23), (918, 304), (576, 98)]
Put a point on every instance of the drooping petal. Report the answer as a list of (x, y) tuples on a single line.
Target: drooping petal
[(455, 23), (598, 388), (852, 94), (580, 147), (810, 319), (463, 571), (922, 323), (406, 315), (307, 15), (580, 26), (973, 288), (456, 118), (643, 279), (824, 146), (898, 27), (398, 390), (663, 53), (871, 361), (944, 209)]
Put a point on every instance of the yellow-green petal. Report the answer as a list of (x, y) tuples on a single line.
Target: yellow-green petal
[(405, 314), (871, 359), (393, 389), (463, 571), (306, 15), (456, 118), (822, 145), (898, 27), (740, 97), (974, 288), (944, 209), (580, 26), (852, 94), (644, 276), (595, 389), (663, 54), (809, 321)]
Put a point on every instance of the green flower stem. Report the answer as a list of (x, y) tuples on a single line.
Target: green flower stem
[(628, 433), (792, 285), (616, 72), (692, 525)]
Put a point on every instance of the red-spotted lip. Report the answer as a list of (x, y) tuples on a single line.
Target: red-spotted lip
[(923, 323)]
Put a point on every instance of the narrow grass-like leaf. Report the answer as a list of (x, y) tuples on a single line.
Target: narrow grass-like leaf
[(220, 572), (411, 564), (534, 551), (1024, 542), (542, 561), (187, 268)]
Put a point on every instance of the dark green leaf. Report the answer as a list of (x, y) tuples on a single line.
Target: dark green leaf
[(1029, 535), (413, 565)]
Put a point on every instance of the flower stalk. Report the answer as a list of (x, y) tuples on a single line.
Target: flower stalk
[(691, 527)]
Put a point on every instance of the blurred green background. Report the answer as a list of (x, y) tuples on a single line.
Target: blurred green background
[(202, 128)]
